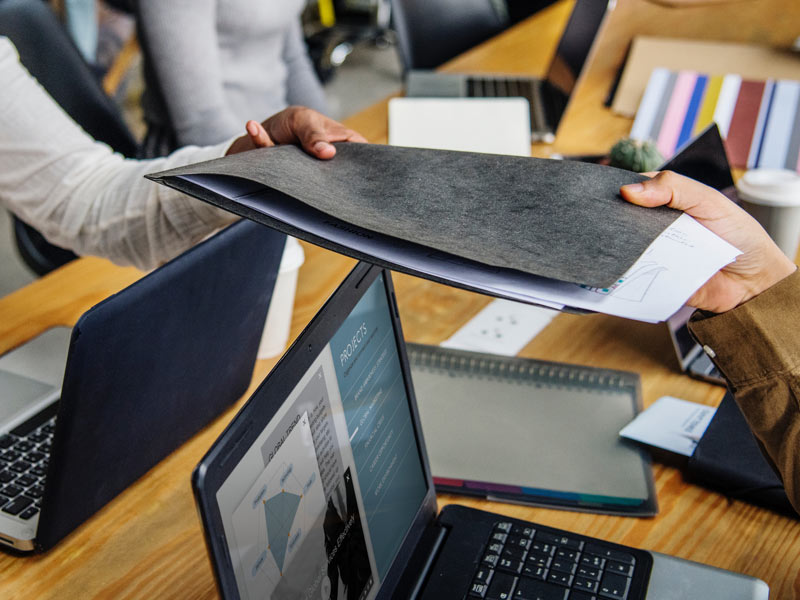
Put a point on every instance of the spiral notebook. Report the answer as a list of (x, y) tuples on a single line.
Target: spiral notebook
[(530, 431)]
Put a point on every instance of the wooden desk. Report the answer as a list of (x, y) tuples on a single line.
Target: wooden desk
[(147, 543)]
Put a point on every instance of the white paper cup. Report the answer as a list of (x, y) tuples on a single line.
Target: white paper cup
[(279, 315), (772, 197)]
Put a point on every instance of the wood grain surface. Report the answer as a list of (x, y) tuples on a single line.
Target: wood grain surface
[(147, 543)]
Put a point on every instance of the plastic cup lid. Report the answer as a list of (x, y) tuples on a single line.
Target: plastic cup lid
[(771, 187)]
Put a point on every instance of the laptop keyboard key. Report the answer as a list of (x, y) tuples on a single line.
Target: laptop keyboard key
[(620, 568), (6, 476), (513, 553), (559, 540), (17, 505), (575, 595), (563, 566), (588, 572), (478, 590), (612, 586), (20, 466), (7, 440), (611, 554), (25, 480), (510, 566), (28, 513), (514, 541), (590, 560), (582, 583), (35, 457), (529, 589), (525, 532), (484, 575), (502, 587), (560, 578), (534, 571), (11, 491), (38, 471), (24, 446), (35, 492), (10, 456)]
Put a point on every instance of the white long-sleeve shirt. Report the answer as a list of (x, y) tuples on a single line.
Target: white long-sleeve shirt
[(82, 196)]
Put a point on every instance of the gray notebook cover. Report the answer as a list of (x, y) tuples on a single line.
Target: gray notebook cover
[(561, 220)]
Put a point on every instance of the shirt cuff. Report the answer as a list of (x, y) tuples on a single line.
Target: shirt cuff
[(210, 215), (747, 342)]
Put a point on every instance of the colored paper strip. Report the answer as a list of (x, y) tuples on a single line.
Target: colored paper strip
[(695, 101), (779, 128), (676, 111), (793, 153), (743, 122), (761, 123), (648, 110), (662, 106), (728, 94), (706, 115)]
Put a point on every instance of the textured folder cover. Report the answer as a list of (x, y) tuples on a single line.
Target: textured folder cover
[(558, 219), (728, 459)]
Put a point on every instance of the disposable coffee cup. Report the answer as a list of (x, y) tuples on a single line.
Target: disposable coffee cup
[(279, 315), (772, 197)]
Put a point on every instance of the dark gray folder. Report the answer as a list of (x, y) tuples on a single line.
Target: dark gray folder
[(415, 210)]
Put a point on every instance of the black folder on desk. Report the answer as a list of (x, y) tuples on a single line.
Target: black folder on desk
[(728, 459)]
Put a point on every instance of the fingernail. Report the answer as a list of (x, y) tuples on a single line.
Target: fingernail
[(321, 146), (252, 128), (634, 187)]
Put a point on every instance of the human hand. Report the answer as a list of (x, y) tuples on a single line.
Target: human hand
[(761, 264), (313, 131)]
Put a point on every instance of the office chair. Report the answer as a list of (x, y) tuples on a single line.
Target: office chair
[(431, 32), (50, 55)]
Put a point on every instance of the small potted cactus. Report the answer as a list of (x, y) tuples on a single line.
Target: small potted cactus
[(635, 155)]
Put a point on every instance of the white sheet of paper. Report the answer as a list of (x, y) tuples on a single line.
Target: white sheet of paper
[(503, 327), (490, 125), (672, 424)]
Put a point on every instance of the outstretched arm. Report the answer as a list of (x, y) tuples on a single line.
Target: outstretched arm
[(749, 319)]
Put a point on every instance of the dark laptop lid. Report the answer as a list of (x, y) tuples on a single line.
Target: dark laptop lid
[(151, 365), (320, 488)]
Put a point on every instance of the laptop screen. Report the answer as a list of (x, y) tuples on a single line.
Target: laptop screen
[(319, 505)]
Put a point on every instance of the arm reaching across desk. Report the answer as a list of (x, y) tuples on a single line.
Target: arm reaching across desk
[(747, 320), (80, 195)]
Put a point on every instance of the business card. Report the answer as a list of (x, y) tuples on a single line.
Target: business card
[(671, 424)]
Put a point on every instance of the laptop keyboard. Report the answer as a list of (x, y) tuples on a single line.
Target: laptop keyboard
[(521, 563), (23, 466), (500, 87)]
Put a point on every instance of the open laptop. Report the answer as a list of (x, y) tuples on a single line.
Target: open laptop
[(146, 368), (547, 97), (320, 488)]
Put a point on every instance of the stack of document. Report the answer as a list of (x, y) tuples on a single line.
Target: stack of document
[(547, 232)]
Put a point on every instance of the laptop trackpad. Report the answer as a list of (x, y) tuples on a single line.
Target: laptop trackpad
[(675, 579), (19, 393)]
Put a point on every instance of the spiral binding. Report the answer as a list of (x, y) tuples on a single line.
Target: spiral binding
[(474, 364)]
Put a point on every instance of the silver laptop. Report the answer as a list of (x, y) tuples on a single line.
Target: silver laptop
[(547, 97), (321, 488), (87, 410)]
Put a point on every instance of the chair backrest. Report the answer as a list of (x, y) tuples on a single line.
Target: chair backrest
[(431, 32), (49, 54)]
